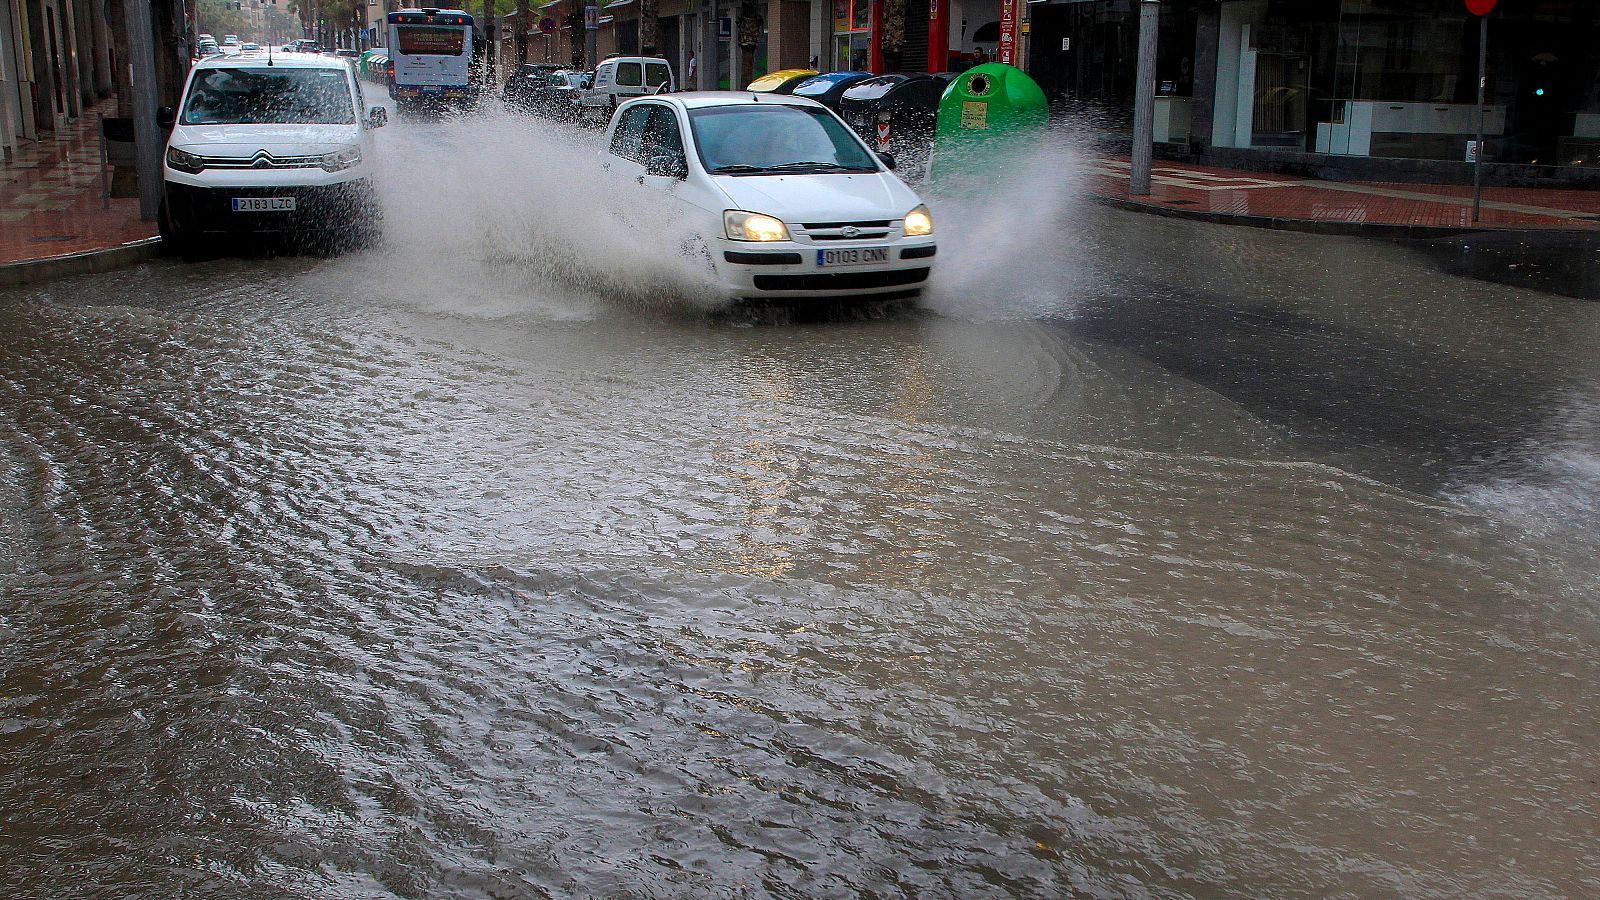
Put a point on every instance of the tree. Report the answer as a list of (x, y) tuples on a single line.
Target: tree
[(649, 27), (524, 20), (750, 23)]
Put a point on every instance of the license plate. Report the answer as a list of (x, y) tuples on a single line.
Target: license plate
[(263, 204), (860, 256)]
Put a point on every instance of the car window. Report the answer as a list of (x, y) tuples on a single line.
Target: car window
[(627, 140), (628, 75), (750, 138), (657, 74), (661, 135), (279, 96)]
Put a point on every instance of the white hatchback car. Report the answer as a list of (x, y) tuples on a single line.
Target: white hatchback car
[(789, 201), (281, 146)]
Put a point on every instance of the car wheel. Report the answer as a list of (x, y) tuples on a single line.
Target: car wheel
[(176, 240)]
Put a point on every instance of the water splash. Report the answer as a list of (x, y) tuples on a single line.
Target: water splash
[(499, 210)]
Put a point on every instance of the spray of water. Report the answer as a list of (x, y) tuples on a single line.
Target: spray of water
[(498, 209), (497, 212), (1008, 246)]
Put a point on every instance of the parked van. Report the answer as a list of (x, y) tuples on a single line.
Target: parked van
[(280, 146), (625, 77)]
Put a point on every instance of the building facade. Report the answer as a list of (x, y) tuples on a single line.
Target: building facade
[(56, 58), (1374, 86)]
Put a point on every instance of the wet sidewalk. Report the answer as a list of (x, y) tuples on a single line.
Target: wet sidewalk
[(50, 198), (1303, 204)]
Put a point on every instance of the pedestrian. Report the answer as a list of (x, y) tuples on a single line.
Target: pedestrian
[(689, 72)]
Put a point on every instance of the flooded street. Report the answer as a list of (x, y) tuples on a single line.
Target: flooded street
[(1143, 558)]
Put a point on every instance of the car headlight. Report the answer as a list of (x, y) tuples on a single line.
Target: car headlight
[(749, 226), (184, 161), (341, 159), (919, 222)]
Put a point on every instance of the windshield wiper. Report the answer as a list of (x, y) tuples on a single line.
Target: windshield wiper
[(823, 166), (736, 169)]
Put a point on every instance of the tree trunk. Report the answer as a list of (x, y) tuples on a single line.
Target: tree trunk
[(649, 27), (749, 32), (524, 20)]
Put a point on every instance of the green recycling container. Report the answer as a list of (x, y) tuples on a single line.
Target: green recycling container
[(987, 114)]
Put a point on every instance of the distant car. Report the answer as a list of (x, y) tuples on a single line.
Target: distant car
[(527, 77), (306, 46), (552, 92), (279, 148), (790, 203), (207, 49), (249, 49), (230, 40), (622, 77)]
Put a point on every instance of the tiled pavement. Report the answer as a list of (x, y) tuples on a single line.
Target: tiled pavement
[(50, 202), (1225, 194)]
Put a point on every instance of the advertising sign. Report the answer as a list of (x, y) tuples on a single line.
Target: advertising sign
[(591, 18), (1008, 32)]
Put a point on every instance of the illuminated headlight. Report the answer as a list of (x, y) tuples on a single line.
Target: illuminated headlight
[(918, 222), (184, 161), (749, 226), (341, 159)]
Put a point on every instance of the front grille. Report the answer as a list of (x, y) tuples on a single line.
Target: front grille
[(261, 161), (840, 281), (875, 230)]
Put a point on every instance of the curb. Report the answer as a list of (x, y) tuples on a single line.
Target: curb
[(50, 268), (1382, 230)]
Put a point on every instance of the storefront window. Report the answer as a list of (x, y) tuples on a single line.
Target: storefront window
[(852, 24), (1398, 78)]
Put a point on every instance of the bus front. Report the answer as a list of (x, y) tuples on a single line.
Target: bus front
[(430, 56)]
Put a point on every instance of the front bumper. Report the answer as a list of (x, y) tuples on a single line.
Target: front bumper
[(209, 210), (790, 269)]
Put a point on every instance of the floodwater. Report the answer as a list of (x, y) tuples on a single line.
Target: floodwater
[(1143, 558)]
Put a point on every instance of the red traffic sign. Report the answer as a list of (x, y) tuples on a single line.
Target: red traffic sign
[(547, 25), (1481, 7)]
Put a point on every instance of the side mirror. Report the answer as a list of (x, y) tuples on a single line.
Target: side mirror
[(887, 160), (379, 117), (667, 167), (166, 117)]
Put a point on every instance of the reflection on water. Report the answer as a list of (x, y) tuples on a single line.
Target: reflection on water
[(422, 575)]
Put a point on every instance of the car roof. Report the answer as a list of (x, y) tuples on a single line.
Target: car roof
[(286, 62), (705, 99)]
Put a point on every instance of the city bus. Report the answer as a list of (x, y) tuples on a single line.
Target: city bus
[(430, 53)]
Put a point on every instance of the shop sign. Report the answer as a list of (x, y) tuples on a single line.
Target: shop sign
[(933, 10), (1481, 7), (1008, 32)]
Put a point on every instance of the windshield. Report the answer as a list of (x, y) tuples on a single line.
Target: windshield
[(269, 95), (752, 139), (430, 40)]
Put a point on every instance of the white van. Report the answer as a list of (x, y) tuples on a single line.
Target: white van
[(623, 77), (789, 202), (258, 145)]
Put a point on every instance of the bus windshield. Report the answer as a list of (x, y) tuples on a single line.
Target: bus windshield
[(430, 40)]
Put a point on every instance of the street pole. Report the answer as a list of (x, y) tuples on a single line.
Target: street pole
[(147, 140), (1483, 81), (1144, 99)]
